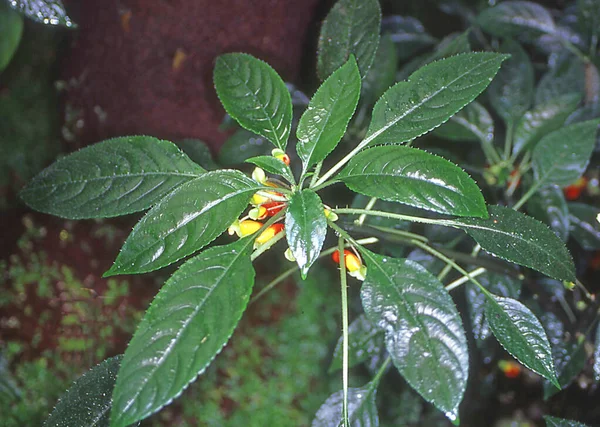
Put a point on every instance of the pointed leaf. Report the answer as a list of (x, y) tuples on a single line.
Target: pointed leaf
[(407, 33), (362, 411), (548, 205), (416, 178), (87, 403), (324, 122), (185, 221), (49, 12), (472, 123), (350, 28), (522, 335), (273, 165), (114, 177), (11, 28), (431, 96), (255, 96), (561, 422), (566, 77), (518, 238), (562, 156), (199, 152), (423, 330), (305, 228), (187, 325), (569, 361), (364, 342), (382, 74), (516, 18), (511, 91), (584, 225)]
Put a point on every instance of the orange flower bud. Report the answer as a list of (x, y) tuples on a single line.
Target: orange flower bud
[(510, 368), (573, 191), (259, 199), (248, 227), (353, 263), (273, 207), (259, 212), (280, 154), (269, 233)]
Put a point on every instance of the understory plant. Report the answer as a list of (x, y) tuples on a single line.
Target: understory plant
[(406, 197)]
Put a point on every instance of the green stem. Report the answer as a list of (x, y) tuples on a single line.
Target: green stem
[(532, 190), (401, 233), (508, 140), (573, 49), (266, 246), (315, 176), (444, 272), (477, 272), (344, 288), (368, 207), (381, 370), (352, 211)]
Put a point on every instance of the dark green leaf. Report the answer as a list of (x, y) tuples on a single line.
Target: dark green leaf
[(423, 330), (589, 14), (569, 361), (11, 29), (511, 92), (597, 355), (451, 45), (241, 146), (521, 334), (350, 28), (49, 12), (562, 156), (566, 77), (187, 325), (542, 119), (364, 342), (185, 221), (585, 227), (273, 165), (114, 177), (523, 240), (324, 122), (255, 96), (407, 33), (516, 18), (560, 422), (498, 284), (87, 403), (548, 205), (472, 123), (431, 96), (416, 178), (382, 74), (305, 228), (432, 264), (362, 411), (198, 152)]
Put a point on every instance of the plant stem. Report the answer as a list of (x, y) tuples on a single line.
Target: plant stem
[(344, 288), (401, 217), (532, 190), (477, 272), (401, 233), (266, 246), (368, 207), (315, 176), (508, 140)]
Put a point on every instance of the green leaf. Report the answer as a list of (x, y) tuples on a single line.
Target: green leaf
[(423, 330), (562, 156), (49, 12), (516, 18), (511, 92), (241, 146), (518, 238), (305, 228), (589, 14), (451, 45), (364, 342), (188, 324), (548, 205), (584, 225), (362, 410), (114, 177), (274, 166), (324, 122), (542, 120), (497, 284), (255, 96), (566, 77), (11, 28), (382, 74), (569, 361), (350, 28), (408, 35), (472, 123), (522, 335), (87, 403), (416, 178), (597, 355), (431, 96), (185, 221), (560, 422), (198, 152)]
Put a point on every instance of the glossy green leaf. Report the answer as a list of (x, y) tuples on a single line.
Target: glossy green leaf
[(198, 152), (541, 120), (562, 156), (548, 205), (187, 325), (569, 361), (241, 146), (255, 96), (114, 177), (516, 18), (87, 403), (11, 28), (584, 225), (382, 74), (324, 122), (185, 221), (362, 411), (597, 355), (472, 123), (408, 35), (49, 12), (566, 77), (498, 284), (305, 228), (511, 91), (431, 96), (364, 342), (350, 28), (518, 238), (416, 178), (273, 165), (423, 330), (521, 334), (561, 422)]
